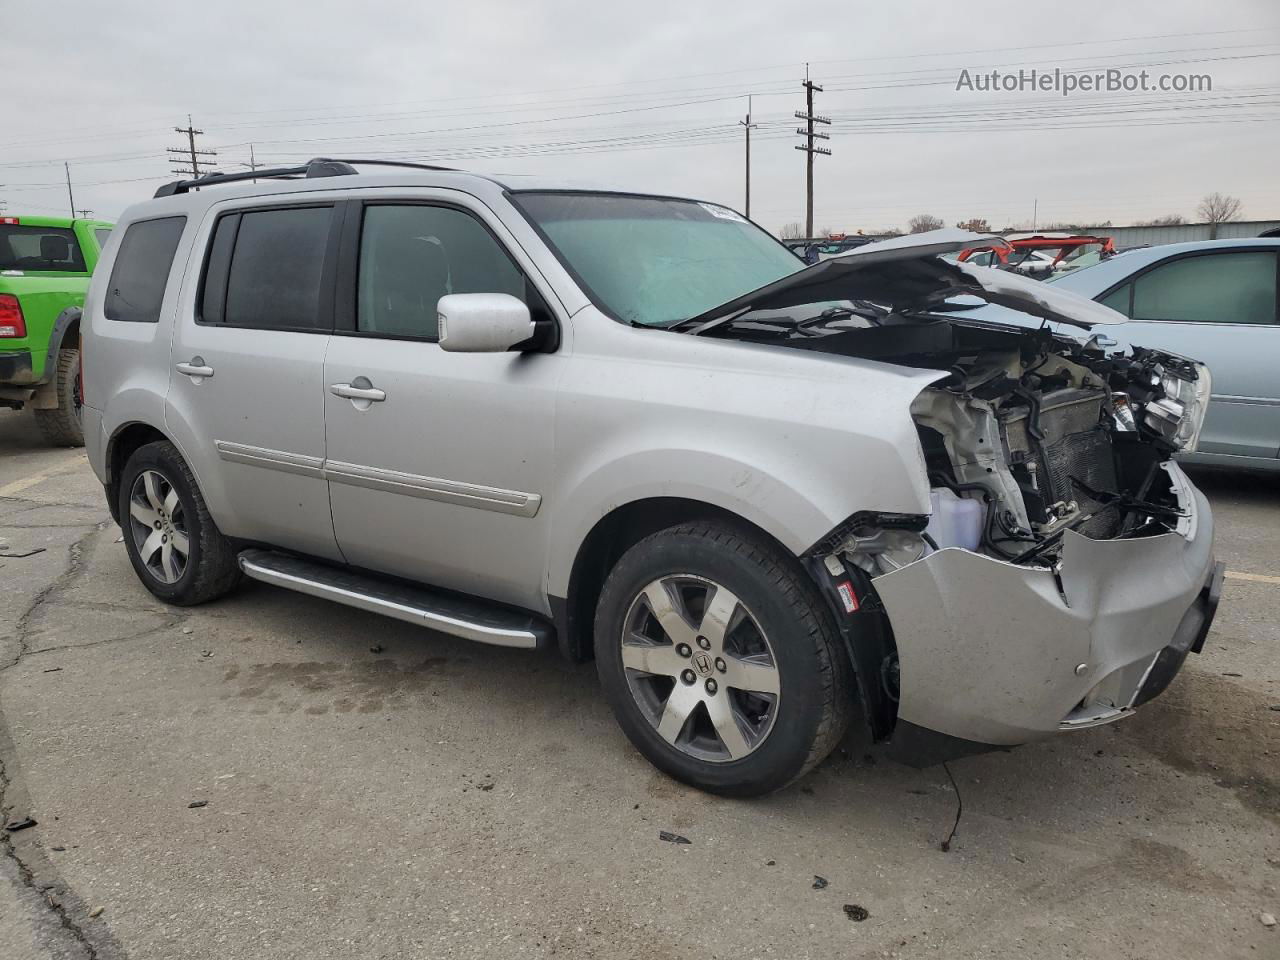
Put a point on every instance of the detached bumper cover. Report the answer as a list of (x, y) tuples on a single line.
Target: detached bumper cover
[(993, 654)]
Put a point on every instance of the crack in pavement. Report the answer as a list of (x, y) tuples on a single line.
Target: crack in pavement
[(35, 869)]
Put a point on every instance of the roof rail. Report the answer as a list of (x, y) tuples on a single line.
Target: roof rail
[(317, 167)]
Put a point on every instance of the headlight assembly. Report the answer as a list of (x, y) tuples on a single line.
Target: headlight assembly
[(1193, 397)]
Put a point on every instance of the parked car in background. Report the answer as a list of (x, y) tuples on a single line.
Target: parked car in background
[(1214, 300), (45, 264), (815, 251), (1041, 255)]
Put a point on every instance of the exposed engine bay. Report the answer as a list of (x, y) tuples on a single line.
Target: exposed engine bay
[(1029, 435)]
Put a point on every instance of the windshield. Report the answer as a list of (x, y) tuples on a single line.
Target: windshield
[(654, 261)]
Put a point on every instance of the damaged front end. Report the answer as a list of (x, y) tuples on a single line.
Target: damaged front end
[(1066, 567)]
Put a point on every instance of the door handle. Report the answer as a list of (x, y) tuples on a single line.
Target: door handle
[(352, 392), (195, 368), (360, 392)]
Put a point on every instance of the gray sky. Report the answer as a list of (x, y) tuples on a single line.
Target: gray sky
[(648, 95)]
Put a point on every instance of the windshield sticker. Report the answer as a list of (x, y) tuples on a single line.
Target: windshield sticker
[(724, 213)]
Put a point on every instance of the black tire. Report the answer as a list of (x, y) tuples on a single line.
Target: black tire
[(61, 426), (816, 693), (211, 568)]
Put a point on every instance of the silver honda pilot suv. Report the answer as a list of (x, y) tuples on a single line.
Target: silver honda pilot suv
[(767, 499)]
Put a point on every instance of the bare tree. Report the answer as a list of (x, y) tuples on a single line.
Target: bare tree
[(1218, 208), (977, 225), (791, 231), (924, 222), (825, 232)]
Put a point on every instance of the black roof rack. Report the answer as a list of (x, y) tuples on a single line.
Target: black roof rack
[(318, 167)]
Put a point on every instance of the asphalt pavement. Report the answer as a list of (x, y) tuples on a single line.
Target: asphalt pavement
[(274, 776)]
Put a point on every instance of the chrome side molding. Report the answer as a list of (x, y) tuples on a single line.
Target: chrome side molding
[(447, 613), (434, 488), (495, 499)]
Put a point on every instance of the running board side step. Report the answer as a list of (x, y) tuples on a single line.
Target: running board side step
[(447, 613)]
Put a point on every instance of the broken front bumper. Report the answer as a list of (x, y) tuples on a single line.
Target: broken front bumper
[(993, 654)]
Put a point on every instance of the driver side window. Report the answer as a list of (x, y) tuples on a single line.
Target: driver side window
[(411, 255)]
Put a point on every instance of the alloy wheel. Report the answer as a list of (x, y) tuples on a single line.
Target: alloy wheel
[(700, 668), (158, 524)]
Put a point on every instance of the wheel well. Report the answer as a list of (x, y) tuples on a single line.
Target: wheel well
[(609, 539), (119, 449), (69, 336)]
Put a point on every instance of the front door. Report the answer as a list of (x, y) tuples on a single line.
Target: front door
[(246, 395), (437, 462)]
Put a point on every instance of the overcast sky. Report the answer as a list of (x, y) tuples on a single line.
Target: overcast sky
[(648, 96)]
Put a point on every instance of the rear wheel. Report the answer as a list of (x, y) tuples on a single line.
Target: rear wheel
[(61, 425), (719, 661), (175, 547)]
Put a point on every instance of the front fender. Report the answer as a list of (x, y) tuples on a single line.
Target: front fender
[(791, 501)]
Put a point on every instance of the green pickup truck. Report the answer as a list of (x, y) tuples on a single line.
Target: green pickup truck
[(45, 264)]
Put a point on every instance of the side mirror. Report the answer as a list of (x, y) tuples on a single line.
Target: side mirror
[(482, 322)]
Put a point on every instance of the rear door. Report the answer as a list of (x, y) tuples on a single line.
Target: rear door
[(246, 395), (1220, 308)]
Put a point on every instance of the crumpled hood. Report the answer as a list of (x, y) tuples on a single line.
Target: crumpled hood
[(907, 273)]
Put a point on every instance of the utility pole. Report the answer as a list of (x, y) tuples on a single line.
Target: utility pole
[(253, 162), (71, 200), (747, 126), (189, 154), (84, 214), (810, 118), (1035, 212)]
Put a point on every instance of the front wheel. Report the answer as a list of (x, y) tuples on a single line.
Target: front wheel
[(719, 661)]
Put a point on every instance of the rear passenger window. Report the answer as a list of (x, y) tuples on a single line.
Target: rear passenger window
[(411, 256), (141, 271), (264, 269)]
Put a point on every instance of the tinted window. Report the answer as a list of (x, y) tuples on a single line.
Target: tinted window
[(213, 290), (1118, 299), (39, 248), (141, 270), (1212, 288), (274, 276), (411, 256)]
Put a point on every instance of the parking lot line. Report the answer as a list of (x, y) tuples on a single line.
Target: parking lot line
[(1252, 577)]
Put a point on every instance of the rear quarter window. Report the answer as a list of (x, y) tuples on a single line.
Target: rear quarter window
[(141, 271)]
